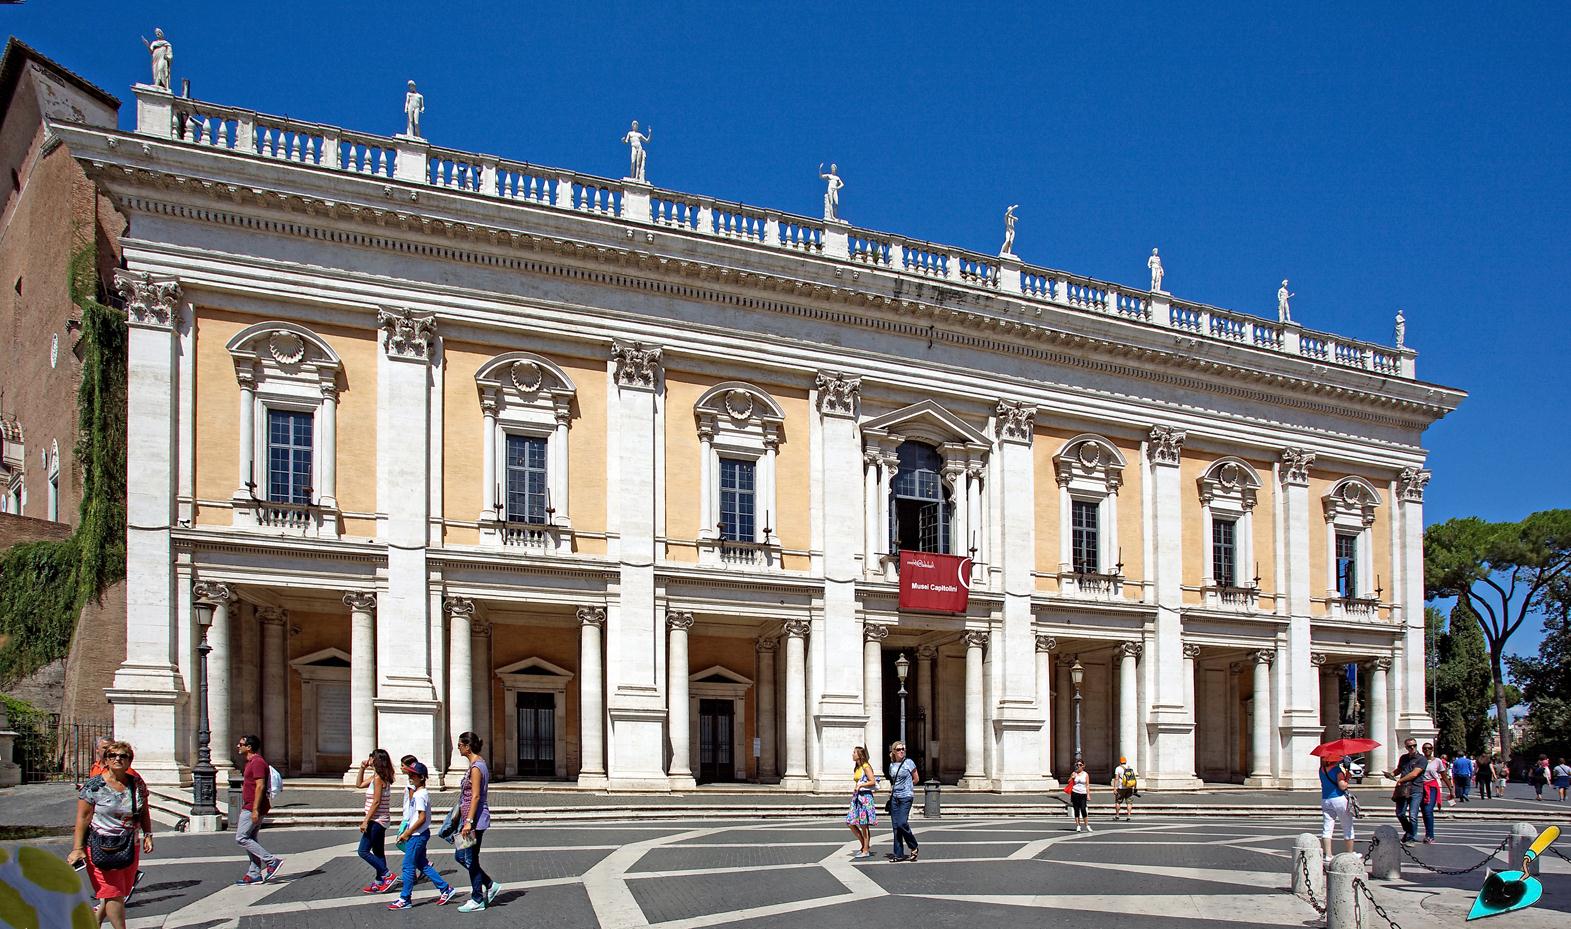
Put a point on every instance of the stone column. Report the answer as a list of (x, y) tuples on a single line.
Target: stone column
[(873, 636), (247, 487), (1172, 722), (1065, 749), (678, 721), (1300, 724), (327, 481), (636, 706), (1412, 717), (488, 486), (219, 697), (1379, 717), (460, 678), (870, 508), (275, 684), (406, 701), (768, 769), (796, 706), (1019, 718), (927, 703), (1128, 703), (1330, 698), (1191, 653), (148, 691), (975, 776), (1260, 727), (840, 719), (362, 679), (1044, 699), (480, 676), (591, 697)]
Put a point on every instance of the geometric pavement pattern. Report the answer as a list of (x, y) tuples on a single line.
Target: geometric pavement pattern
[(997, 873)]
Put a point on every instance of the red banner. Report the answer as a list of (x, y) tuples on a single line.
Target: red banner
[(936, 583)]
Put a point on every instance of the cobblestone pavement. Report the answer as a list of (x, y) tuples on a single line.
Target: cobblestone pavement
[(995, 872)]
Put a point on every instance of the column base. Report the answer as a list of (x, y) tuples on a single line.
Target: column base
[(148, 705), (409, 727), (593, 780), (636, 742), (796, 783), (1025, 784), (1171, 782), (1260, 780), (975, 783), (351, 777), (659, 783), (682, 782)]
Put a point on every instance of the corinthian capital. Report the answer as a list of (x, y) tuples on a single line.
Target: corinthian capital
[(1295, 466), (837, 393), (637, 364), (976, 638), (148, 303), (1016, 421), (409, 335), (1130, 649), (1166, 445), (1411, 483)]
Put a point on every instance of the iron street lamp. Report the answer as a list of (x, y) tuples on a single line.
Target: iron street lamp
[(902, 668), (204, 777), (1076, 675)]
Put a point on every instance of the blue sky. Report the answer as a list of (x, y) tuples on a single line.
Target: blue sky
[(1415, 157)]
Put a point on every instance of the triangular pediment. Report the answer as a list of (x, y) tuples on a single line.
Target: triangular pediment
[(326, 658), (534, 667), (929, 420), (718, 675)]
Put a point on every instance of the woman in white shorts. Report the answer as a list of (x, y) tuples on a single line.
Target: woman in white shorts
[(1335, 806)]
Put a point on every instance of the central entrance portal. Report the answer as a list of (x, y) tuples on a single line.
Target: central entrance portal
[(536, 734), (715, 721)]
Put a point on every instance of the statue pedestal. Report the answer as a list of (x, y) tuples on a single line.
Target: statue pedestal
[(413, 152), (155, 111), (837, 239), (635, 200)]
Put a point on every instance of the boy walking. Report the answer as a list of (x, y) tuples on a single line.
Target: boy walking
[(254, 806), (413, 840)]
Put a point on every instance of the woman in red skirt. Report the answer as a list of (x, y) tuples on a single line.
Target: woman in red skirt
[(110, 813)]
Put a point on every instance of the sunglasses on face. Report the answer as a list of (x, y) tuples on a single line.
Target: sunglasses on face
[(117, 756)]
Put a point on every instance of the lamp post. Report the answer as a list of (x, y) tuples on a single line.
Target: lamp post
[(1076, 675), (902, 668), (204, 777)]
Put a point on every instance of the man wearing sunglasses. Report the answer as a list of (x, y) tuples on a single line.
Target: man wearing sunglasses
[(1409, 794)]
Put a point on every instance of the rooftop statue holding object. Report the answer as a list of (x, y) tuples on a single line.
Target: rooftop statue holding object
[(1009, 232), (636, 143), (163, 56)]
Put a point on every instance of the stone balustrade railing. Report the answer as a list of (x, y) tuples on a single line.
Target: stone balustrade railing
[(414, 160)]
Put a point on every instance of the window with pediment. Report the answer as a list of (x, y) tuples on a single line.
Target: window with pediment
[(288, 479), (740, 428), (1089, 471), (1229, 489), (526, 403), (1351, 584)]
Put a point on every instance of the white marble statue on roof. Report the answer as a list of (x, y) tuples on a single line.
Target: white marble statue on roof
[(831, 192), (1155, 264), (635, 143), (414, 106), (163, 56), (1401, 329), (1009, 231), (1284, 313)]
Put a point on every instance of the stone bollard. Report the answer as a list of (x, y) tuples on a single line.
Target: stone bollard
[(1385, 859), (1307, 861), (1341, 895), (1522, 835)]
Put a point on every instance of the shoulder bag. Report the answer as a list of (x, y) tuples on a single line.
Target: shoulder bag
[(114, 852)]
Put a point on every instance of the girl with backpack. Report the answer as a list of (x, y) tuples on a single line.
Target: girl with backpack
[(110, 812), (863, 814)]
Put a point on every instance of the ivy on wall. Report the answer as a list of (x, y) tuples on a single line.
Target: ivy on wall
[(44, 585)]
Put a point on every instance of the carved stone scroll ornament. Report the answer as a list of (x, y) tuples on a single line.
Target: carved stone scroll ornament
[(1191, 651), (837, 394), (459, 607), (1263, 656), (212, 592), (360, 602), (637, 364), (1130, 649), (679, 620), (1382, 664), (797, 628), (976, 639), (148, 302), (1295, 466), (873, 632), (1166, 444), (591, 616), (767, 646), (410, 335), (1016, 421), (1046, 643), (1411, 484)]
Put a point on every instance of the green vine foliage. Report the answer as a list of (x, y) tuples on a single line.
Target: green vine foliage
[(44, 585)]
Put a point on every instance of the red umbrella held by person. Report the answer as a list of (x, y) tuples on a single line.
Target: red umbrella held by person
[(1341, 748)]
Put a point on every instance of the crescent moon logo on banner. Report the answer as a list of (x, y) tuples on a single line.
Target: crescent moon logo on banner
[(963, 573)]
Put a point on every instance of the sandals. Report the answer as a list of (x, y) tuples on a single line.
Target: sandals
[(912, 856)]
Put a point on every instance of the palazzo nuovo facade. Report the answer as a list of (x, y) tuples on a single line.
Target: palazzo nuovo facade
[(618, 477)]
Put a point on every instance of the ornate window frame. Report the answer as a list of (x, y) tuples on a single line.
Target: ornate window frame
[(1349, 508), (703, 685), (534, 675), (522, 393), (330, 666), (1230, 487), (285, 366), (738, 420), (1090, 468)]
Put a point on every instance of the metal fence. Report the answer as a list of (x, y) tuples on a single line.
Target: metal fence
[(49, 748)]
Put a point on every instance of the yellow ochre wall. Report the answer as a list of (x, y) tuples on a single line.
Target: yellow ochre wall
[(1048, 442)]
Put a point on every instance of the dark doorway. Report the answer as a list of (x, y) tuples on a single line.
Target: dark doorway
[(915, 743), (715, 721), (536, 734)]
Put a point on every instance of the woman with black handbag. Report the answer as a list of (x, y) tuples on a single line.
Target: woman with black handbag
[(110, 812)]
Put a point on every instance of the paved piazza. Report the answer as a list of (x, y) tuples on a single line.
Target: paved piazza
[(994, 872)]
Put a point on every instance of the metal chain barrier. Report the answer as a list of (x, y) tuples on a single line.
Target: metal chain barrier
[(1454, 871), (1557, 853), (1309, 887), (1374, 843), (1359, 887)]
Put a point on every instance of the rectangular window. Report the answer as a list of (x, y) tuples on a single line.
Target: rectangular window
[(738, 500), (1346, 565), (289, 456), (1085, 529), (526, 479), (1224, 552)]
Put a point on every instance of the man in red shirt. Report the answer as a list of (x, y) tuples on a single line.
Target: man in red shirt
[(254, 802)]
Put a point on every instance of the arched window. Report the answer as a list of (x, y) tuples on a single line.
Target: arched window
[(1228, 491), (739, 435), (1352, 588), (1090, 469), (919, 503), (526, 404)]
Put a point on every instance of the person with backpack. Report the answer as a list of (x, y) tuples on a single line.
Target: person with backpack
[(863, 815), (1538, 776), (110, 812), (903, 779), (256, 799), (1125, 780), (1462, 776)]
